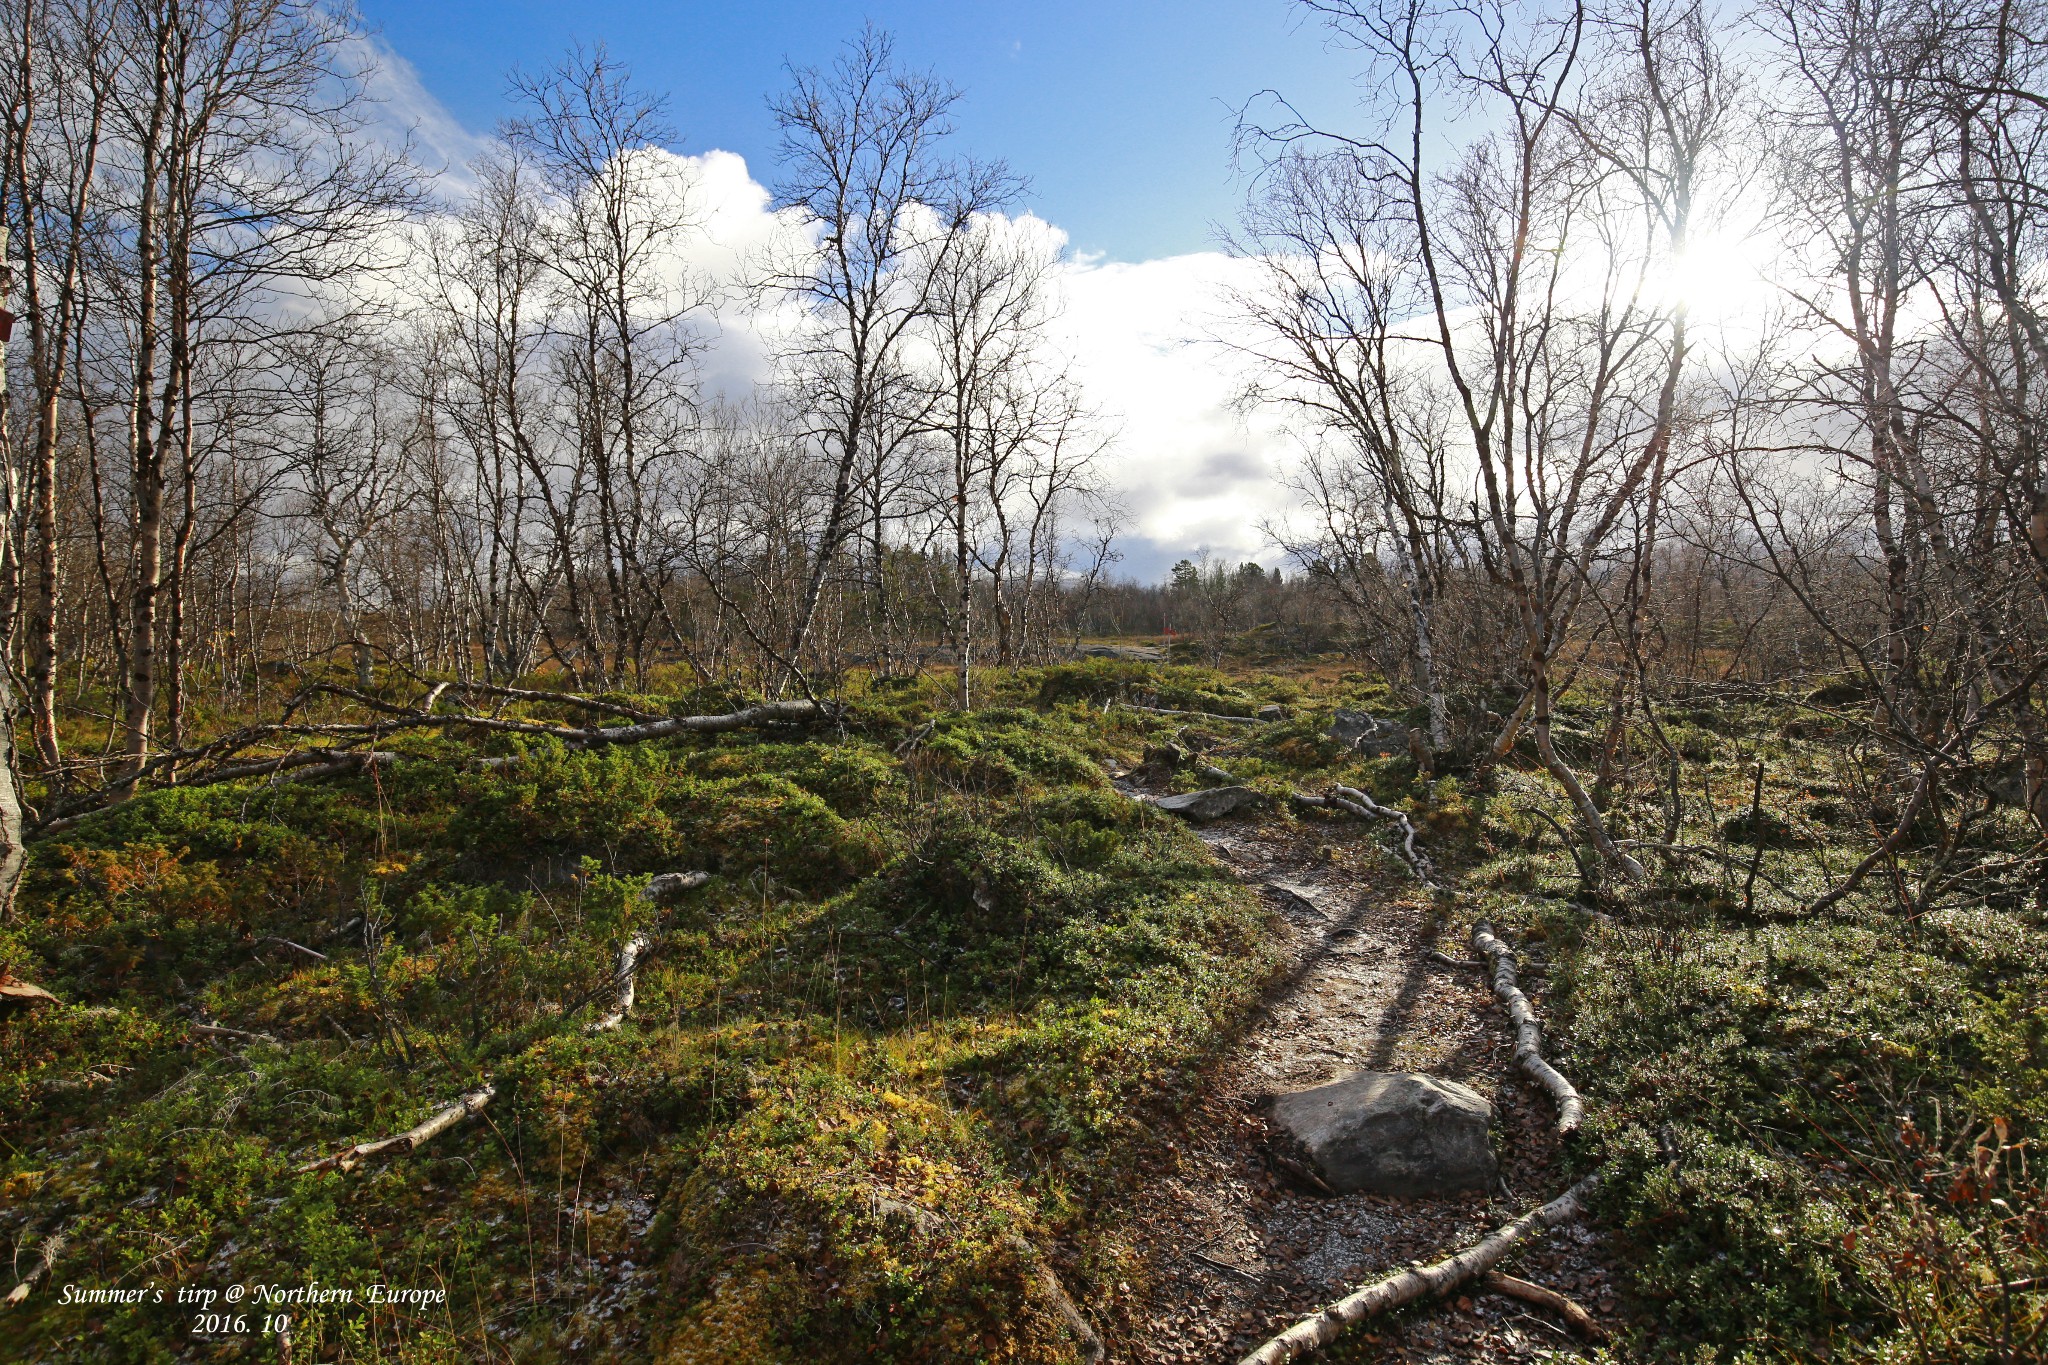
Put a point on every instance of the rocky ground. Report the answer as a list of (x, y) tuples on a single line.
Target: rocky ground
[(1232, 1249)]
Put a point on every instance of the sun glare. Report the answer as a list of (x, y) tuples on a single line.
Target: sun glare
[(1724, 277)]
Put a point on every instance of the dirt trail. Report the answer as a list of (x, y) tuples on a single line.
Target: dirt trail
[(1231, 1250)]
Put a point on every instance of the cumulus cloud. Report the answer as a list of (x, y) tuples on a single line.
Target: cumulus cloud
[(1148, 340), (1192, 472), (1144, 340)]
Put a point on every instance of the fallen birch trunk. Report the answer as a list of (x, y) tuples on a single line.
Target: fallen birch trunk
[(1528, 1033), (768, 713), (534, 694), (310, 763), (1422, 1281), (1199, 715), (468, 1106), (673, 884), (629, 968)]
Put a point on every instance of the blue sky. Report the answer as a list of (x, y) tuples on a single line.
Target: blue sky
[(1118, 113)]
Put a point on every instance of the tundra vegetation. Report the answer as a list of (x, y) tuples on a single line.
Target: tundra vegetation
[(396, 625)]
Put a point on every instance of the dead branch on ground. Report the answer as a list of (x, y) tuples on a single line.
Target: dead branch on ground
[(630, 953), (1582, 1322), (46, 1256), (1355, 802), (223, 1031), (440, 1121), (1422, 1282), (1528, 1032)]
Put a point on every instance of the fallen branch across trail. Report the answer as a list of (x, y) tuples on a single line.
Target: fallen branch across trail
[(1355, 802), (1431, 1281)]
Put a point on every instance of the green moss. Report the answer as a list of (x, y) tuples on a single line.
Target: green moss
[(893, 987), (969, 978)]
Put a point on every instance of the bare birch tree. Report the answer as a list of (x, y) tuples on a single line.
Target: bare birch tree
[(863, 158)]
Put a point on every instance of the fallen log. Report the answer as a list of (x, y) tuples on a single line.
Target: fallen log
[(629, 967), (673, 884), (1324, 1327), (467, 1106), (46, 1256), (305, 764), (768, 713), (1528, 1033), (535, 694), (1199, 715), (1582, 1322)]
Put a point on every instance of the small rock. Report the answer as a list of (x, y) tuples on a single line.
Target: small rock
[(1271, 711), (1133, 653), (1390, 1133), (1210, 804)]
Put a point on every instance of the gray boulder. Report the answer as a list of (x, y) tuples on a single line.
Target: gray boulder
[(1390, 1133), (1211, 804), (1361, 731)]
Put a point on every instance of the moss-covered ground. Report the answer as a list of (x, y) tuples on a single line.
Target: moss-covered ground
[(924, 1022)]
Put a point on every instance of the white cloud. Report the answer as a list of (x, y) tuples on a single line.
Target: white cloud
[(1192, 472), (404, 108)]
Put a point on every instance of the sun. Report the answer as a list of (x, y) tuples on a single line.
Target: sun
[(1723, 277)]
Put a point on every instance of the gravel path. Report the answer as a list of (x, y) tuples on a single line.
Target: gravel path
[(1228, 1250)]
